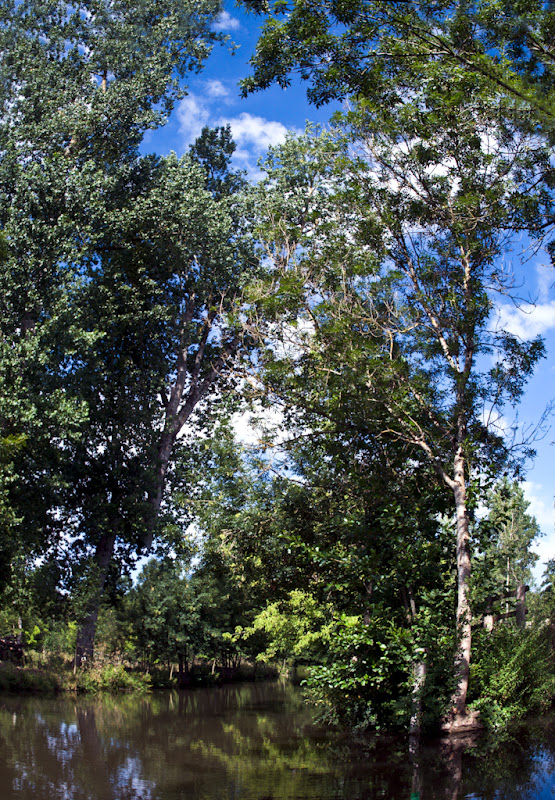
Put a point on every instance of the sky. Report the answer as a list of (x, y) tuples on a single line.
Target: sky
[(262, 120)]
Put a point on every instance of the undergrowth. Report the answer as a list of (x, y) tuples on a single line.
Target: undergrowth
[(513, 674)]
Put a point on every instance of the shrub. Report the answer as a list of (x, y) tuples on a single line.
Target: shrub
[(365, 678), (513, 673), (16, 679), (110, 678)]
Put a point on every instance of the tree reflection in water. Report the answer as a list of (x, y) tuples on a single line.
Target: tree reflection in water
[(249, 742)]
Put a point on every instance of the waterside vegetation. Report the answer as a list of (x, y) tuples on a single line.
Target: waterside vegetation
[(376, 533)]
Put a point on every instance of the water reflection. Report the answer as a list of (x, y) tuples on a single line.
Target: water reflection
[(254, 742)]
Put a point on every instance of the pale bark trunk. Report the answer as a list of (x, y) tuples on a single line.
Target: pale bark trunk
[(419, 676), (464, 632), (84, 649), (521, 605)]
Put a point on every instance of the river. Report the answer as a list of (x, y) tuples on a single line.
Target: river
[(245, 742)]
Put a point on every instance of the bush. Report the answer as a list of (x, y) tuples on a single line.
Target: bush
[(367, 679), (364, 682), (109, 678), (17, 679), (513, 673)]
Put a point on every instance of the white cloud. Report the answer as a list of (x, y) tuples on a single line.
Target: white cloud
[(256, 132), (494, 420), (193, 114), (253, 136), (215, 88), (225, 22), (527, 320), (250, 428), (545, 279), (543, 512)]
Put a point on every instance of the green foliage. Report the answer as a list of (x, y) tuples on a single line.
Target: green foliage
[(547, 596), (503, 542), (513, 673), (367, 49), (388, 310), (109, 678), (120, 272), (17, 680), (80, 85), (59, 639), (295, 629), (162, 618), (366, 675), (365, 679)]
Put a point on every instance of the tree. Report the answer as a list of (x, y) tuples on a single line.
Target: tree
[(466, 58), (353, 48), (165, 619), (166, 303), (336, 515), (505, 537), (100, 241), (406, 261)]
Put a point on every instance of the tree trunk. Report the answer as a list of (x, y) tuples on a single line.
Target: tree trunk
[(419, 671), (165, 448), (369, 588), (464, 632), (521, 605), (84, 649)]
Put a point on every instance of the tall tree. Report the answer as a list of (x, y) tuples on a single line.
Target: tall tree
[(352, 48), (79, 86), (101, 251), (166, 302), (505, 538), (403, 267)]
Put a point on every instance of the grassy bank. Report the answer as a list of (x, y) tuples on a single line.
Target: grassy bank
[(58, 676)]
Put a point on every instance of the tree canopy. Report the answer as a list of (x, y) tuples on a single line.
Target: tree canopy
[(348, 297)]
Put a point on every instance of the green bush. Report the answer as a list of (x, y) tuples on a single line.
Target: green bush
[(364, 682), (16, 679), (367, 679), (513, 673), (110, 678)]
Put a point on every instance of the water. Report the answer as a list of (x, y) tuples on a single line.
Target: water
[(248, 742)]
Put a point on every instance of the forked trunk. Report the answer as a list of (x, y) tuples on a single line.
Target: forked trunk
[(164, 454)]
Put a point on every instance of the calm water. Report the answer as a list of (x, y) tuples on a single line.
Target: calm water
[(249, 742)]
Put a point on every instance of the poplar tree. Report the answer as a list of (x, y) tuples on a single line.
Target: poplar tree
[(165, 305), (104, 250)]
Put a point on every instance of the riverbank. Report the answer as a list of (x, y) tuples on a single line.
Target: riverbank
[(117, 678)]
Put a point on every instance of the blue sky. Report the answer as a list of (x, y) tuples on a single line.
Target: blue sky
[(213, 99), (263, 119)]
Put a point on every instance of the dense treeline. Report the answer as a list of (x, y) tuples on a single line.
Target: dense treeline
[(147, 299)]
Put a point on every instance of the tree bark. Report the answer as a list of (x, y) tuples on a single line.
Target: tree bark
[(521, 605), (180, 405), (165, 448), (464, 631), (84, 649), (419, 671)]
